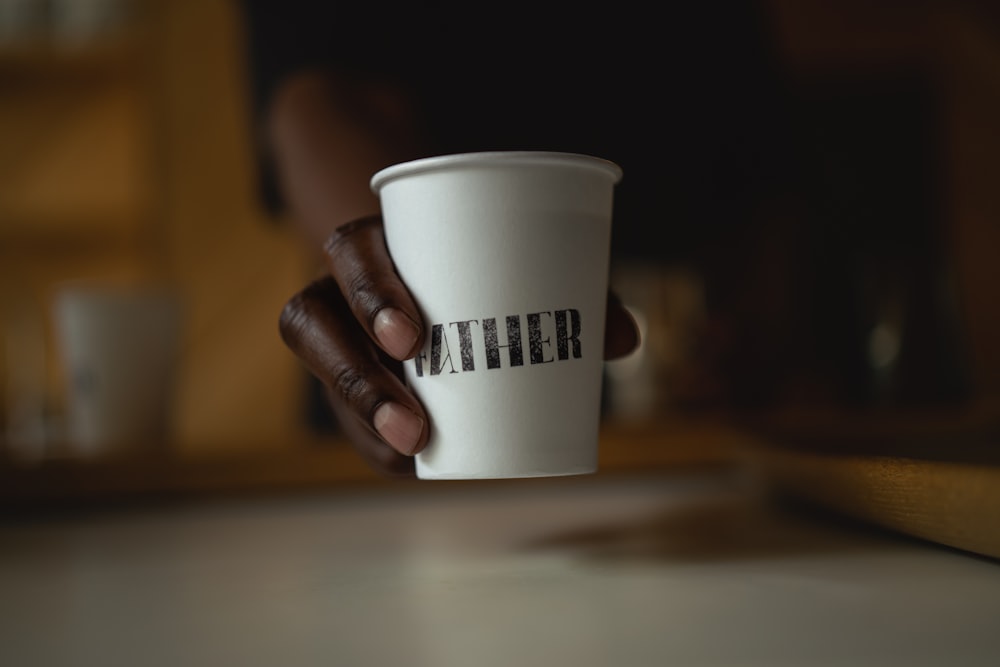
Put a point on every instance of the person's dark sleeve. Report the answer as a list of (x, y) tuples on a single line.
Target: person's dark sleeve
[(283, 37)]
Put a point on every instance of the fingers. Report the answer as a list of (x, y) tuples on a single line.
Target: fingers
[(372, 449), (317, 325), (621, 333), (359, 261)]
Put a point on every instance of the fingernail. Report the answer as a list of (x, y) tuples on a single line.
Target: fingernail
[(398, 426), (396, 332)]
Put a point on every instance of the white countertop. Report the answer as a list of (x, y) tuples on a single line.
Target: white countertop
[(661, 570)]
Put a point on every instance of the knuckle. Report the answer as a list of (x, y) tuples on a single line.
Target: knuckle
[(301, 313), (363, 292), (359, 265), (351, 381), (340, 241)]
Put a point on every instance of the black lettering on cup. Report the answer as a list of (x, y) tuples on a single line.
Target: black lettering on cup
[(568, 327)]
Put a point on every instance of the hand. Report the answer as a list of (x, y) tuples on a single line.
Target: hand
[(353, 329)]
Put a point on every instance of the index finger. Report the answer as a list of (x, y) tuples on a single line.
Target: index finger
[(357, 258)]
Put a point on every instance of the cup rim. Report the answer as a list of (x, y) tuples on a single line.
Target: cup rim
[(493, 158)]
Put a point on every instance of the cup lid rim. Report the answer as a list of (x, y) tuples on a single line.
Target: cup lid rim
[(493, 158)]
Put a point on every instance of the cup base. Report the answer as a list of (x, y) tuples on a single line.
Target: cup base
[(438, 476)]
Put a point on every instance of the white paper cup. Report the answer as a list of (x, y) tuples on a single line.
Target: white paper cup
[(507, 255), (119, 348)]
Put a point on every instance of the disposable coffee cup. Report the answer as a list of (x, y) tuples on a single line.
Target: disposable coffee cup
[(507, 257), (119, 349)]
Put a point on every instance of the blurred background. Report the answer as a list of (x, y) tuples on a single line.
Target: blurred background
[(126, 160)]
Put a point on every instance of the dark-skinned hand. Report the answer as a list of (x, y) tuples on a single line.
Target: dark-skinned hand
[(354, 327)]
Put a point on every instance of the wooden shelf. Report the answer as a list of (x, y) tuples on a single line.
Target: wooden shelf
[(60, 233), (50, 59), (316, 463)]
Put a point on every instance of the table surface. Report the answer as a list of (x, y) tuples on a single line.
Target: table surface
[(686, 568)]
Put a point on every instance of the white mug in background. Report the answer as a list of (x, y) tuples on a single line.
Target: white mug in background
[(507, 257), (78, 21), (119, 347), (22, 21)]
